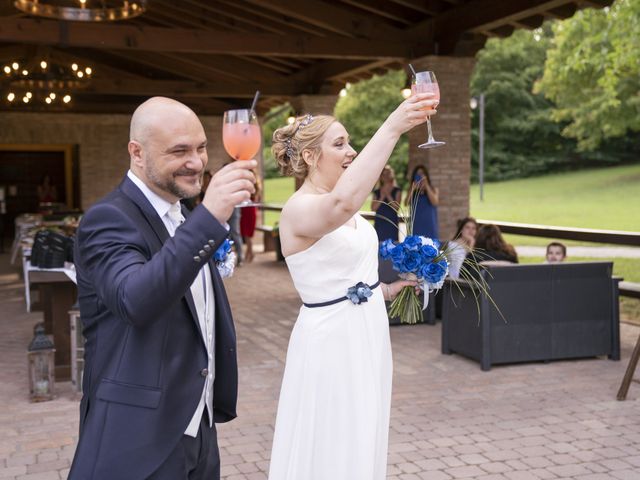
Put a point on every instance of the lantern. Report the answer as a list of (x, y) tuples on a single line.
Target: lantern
[(41, 353)]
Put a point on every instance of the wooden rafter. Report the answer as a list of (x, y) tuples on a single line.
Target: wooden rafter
[(127, 37)]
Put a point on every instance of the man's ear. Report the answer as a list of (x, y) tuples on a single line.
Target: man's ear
[(135, 152)]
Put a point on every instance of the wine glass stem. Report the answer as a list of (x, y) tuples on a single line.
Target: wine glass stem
[(430, 140)]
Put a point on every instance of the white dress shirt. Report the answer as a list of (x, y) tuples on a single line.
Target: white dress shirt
[(202, 292)]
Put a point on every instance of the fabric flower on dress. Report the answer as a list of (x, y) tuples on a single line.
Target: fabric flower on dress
[(359, 293)]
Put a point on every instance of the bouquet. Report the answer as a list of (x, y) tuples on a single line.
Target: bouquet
[(416, 258), (225, 259), (424, 259)]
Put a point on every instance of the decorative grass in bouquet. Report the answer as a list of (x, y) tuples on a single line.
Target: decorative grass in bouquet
[(424, 260)]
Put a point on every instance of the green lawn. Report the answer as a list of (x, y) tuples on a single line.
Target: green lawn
[(604, 198)]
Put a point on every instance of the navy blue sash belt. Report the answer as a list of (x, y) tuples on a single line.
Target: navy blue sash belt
[(358, 294)]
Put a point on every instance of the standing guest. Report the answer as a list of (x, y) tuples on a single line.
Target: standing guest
[(463, 242), (556, 252), (426, 196), (491, 245), (248, 219), (160, 362), (47, 193), (386, 199)]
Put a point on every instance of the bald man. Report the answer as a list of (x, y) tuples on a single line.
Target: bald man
[(160, 361)]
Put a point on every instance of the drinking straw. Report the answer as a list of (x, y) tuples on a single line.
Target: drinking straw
[(255, 100), (413, 70)]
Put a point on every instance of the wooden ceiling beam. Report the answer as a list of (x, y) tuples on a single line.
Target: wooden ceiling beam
[(174, 88), (428, 7), (331, 18), (383, 9), (560, 13), (235, 9), (130, 37), (236, 16), (177, 12)]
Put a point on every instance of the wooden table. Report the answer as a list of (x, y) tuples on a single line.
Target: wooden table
[(58, 293)]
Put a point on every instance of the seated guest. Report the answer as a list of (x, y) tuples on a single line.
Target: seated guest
[(463, 242), (386, 200), (491, 245), (556, 252)]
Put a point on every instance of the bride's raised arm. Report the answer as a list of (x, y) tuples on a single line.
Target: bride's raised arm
[(336, 182)]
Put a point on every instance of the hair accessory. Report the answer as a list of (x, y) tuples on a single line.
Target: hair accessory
[(308, 118)]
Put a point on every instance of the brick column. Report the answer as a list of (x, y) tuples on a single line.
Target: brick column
[(450, 165), (315, 105)]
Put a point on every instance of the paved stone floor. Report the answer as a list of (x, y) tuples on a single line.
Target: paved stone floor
[(449, 419)]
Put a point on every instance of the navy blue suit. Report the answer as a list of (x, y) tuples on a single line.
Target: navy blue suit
[(144, 353)]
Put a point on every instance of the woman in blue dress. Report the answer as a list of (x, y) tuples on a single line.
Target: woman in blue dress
[(386, 200), (425, 221)]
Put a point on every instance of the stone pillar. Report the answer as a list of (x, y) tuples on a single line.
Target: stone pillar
[(315, 105), (450, 165)]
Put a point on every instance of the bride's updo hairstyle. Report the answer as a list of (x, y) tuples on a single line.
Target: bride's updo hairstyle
[(305, 133)]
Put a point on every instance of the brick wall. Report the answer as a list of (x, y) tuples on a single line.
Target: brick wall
[(101, 140), (449, 166)]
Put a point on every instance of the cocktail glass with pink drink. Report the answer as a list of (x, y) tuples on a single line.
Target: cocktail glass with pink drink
[(241, 135), (425, 82)]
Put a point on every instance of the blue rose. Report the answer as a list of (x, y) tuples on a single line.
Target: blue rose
[(412, 243), (411, 262), (428, 252), (434, 272), (222, 251), (397, 257), (386, 248)]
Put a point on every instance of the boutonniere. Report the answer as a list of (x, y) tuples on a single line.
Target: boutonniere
[(225, 259)]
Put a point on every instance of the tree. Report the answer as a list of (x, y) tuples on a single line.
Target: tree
[(366, 105), (521, 138), (592, 74)]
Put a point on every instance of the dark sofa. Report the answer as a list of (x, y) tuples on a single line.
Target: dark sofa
[(551, 311)]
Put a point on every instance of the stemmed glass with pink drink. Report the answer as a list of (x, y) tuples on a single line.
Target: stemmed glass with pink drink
[(425, 82), (241, 135)]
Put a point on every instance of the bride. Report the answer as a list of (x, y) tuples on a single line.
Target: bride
[(333, 415)]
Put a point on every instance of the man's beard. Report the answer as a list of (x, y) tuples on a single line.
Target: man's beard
[(170, 185)]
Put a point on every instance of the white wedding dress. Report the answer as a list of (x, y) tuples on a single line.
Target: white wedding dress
[(333, 415)]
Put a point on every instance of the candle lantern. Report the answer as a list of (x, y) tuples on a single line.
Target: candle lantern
[(41, 353)]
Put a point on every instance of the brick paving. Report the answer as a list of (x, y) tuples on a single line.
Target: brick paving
[(449, 419)]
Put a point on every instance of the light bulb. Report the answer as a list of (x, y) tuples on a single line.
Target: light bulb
[(343, 92), (80, 74), (7, 69), (15, 65), (406, 92), (29, 95), (88, 70), (290, 120), (43, 64), (74, 67), (52, 96), (66, 98), (11, 97), (48, 100), (25, 72), (25, 99)]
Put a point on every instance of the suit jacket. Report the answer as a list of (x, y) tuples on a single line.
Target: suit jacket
[(145, 358)]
